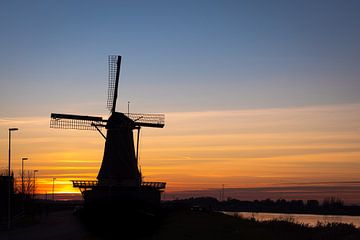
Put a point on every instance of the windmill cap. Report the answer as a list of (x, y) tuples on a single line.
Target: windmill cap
[(118, 119)]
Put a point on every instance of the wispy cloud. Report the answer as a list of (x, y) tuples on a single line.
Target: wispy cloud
[(204, 149)]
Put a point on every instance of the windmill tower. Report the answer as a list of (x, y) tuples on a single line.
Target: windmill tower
[(119, 177)]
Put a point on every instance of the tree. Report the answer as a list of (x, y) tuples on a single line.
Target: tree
[(333, 202), (29, 187)]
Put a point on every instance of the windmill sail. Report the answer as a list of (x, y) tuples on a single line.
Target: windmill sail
[(147, 120), (114, 74), (80, 122)]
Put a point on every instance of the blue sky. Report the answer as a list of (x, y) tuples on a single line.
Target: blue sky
[(254, 92), (178, 55)]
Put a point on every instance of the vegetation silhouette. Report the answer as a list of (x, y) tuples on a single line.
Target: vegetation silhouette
[(331, 205), (187, 224)]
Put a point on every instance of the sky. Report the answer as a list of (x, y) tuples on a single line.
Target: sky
[(255, 93)]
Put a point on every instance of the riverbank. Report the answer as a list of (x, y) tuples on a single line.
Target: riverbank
[(212, 225)]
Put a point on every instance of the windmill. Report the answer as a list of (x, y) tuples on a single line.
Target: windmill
[(119, 171)]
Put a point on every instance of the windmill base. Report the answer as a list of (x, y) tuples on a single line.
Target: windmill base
[(121, 211), (133, 200)]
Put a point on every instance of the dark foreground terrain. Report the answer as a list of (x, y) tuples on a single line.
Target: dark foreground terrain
[(174, 225), (210, 225)]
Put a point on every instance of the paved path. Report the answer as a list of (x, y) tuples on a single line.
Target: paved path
[(57, 225)]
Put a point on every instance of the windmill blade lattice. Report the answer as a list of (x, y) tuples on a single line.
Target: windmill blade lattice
[(80, 122), (148, 120), (114, 72)]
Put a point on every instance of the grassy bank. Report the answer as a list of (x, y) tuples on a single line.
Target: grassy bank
[(211, 225)]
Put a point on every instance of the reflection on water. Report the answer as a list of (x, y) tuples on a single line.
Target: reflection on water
[(309, 219)]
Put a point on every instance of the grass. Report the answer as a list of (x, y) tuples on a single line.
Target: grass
[(210, 225)]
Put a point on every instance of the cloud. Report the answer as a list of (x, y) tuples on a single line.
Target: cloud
[(205, 149)]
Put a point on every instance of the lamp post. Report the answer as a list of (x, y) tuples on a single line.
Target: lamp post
[(34, 187), (22, 175), (53, 195), (128, 108), (9, 178)]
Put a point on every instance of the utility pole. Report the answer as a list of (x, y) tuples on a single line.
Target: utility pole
[(53, 187), (223, 192), (128, 108)]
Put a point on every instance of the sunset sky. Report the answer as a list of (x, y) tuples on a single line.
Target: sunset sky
[(255, 93)]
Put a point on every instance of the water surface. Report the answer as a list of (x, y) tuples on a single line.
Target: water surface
[(310, 219)]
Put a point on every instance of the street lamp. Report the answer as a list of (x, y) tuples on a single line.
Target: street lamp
[(9, 178), (128, 108), (53, 189), (22, 174), (35, 171)]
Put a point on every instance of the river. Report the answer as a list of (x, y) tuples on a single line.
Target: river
[(310, 219)]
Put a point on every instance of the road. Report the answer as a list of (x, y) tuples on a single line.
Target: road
[(61, 225)]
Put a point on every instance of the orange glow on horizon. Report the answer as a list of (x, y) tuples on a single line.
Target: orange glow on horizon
[(201, 150)]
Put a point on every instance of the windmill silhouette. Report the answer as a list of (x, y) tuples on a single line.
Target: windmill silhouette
[(119, 178)]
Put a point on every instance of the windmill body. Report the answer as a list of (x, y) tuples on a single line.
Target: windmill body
[(119, 165), (119, 179)]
